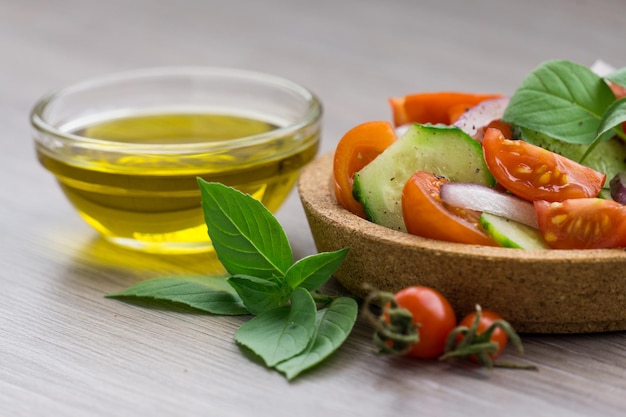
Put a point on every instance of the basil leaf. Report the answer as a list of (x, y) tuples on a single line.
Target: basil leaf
[(246, 236), (313, 271), (210, 294), (613, 118), (257, 294), (280, 333), (334, 325), (561, 99), (610, 124), (618, 77)]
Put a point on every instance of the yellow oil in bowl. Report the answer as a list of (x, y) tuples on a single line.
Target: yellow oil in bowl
[(133, 175)]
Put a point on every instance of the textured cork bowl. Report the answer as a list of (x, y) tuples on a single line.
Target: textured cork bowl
[(538, 291)]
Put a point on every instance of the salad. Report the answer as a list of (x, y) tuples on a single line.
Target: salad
[(544, 168)]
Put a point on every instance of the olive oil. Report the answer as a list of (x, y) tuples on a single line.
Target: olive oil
[(150, 199)]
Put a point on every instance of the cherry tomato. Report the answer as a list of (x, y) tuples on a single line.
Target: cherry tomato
[(505, 128), (582, 223), (618, 90), (357, 148), (436, 107), (427, 216), (534, 173), (433, 315), (487, 318)]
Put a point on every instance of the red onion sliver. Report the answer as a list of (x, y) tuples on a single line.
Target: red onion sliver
[(481, 198), (618, 188), (478, 117)]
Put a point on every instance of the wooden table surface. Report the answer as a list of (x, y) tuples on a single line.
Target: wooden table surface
[(65, 350)]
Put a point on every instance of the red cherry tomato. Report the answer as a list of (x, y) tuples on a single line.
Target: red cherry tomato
[(357, 148), (427, 216), (534, 173), (487, 318), (433, 315), (437, 107), (582, 223)]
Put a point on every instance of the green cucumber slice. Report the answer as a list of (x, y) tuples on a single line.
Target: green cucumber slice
[(512, 234), (443, 150)]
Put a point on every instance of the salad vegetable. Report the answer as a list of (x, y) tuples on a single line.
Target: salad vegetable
[(442, 107), (443, 150), (533, 173), (556, 149), (356, 149), (582, 223), (422, 208)]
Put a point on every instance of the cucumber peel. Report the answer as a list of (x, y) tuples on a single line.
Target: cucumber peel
[(511, 234)]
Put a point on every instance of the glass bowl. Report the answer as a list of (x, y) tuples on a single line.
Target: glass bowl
[(127, 148)]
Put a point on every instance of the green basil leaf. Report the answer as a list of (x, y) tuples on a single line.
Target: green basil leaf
[(613, 118), (610, 125), (333, 327), (618, 77), (246, 236), (313, 271), (562, 100), (257, 294), (280, 333), (210, 294)]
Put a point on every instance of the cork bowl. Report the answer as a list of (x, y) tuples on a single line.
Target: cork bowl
[(537, 291)]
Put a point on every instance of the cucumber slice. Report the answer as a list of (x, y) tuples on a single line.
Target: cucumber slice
[(443, 150), (512, 234)]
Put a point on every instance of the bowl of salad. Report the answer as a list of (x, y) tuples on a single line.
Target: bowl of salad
[(516, 203)]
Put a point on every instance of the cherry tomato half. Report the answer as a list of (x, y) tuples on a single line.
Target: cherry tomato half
[(582, 223), (427, 216), (487, 318), (433, 314), (534, 173), (357, 148), (436, 107)]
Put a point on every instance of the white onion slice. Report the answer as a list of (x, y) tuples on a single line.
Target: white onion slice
[(482, 198), (602, 68), (402, 129), (474, 120)]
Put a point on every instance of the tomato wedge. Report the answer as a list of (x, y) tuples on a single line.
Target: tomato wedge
[(427, 216), (357, 148), (534, 173), (582, 223), (438, 107)]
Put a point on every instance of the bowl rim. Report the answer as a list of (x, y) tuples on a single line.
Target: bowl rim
[(323, 200), (311, 116)]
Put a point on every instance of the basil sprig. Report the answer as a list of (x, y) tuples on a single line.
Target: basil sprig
[(569, 102), (288, 331)]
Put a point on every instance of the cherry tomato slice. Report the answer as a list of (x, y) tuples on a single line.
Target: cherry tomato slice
[(433, 314), (534, 173), (436, 107), (487, 318), (582, 223), (357, 148), (427, 216)]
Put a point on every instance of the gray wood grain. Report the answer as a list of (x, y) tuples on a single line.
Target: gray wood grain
[(65, 350)]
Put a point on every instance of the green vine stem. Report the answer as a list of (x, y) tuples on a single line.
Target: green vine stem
[(466, 343), (395, 333)]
